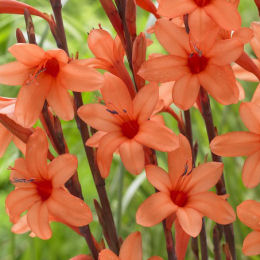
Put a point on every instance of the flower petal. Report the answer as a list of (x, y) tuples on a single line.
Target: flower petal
[(243, 74), (180, 160), (132, 155), (5, 139), (38, 220), (190, 220), (99, 117), (251, 170), (249, 113), (182, 241), (94, 140), (145, 101), (80, 78), (212, 206), (36, 154), (13, 73), (108, 144), (249, 213), (220, 83), (235, 144), (155, 209), (204, 177), (158, 178), (251, 244), (68, 208), (164, 68), (172, 37), (107, 254), (21, 226), (187, 84), (30, 100), (131, 248), (61, 169), (116, 94), (175, 8), (61, 102), (224, 13), (157, 136), (28, 54)]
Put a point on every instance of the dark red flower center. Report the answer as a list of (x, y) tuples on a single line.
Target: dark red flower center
[(202, 3), (130, 128), (179, 198), (52, 67), (197, 63), (44, 189)]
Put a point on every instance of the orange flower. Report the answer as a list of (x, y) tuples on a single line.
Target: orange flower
[(126, 126), (183, 193), (192, 66), (148, 6), (249, 213), (46, 75), (7, 108), (131, 249), (243, 144), (39, 189), (203, 14)]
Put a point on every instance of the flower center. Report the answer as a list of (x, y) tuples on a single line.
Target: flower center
[(130, 128), (197, 63), (179, 198), (44, 189), (202, 3), (52, 67)]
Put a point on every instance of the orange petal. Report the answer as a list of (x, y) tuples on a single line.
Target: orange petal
[(101, 43), (115, 93), (212, 206), (20, 200), (251, 244), (249, 113), (220, 83), (179, 160), (249, 213), (61, 102), (38, 220), (158, 178), (30, 100), (204, 177), (61, 169), (36, 154), (224, 14), (19, 144), (68, 208), (190, 220), (5, 139), (94, 140), (145, 101), (108, 145), (82, 257), (187, 84), (80, 78), (163, 69), (155, 209), (172, 37), (256, 96), (21, 226), (235, 144), (155, 258), (251, 170), (13, 73), (132, 155), (175, 8), (107, 254), (157, 136), (98, 116), (28, 54), (243, 74), (131, 248)]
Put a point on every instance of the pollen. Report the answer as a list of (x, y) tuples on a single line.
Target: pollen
[(130, 128), (179, 198), (52, 67), (44, 189), (197, 63)]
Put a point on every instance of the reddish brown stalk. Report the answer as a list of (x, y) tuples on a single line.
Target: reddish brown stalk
[(19, 36), (29, 26), (220, 186), (216, 242)]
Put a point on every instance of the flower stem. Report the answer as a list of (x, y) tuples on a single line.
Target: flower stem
[(220, 186), (203, 242)]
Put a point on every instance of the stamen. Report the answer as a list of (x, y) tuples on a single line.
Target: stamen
[(22, 180), (113, 112)]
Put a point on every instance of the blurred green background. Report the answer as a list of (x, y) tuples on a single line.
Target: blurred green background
[(125, 191)]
